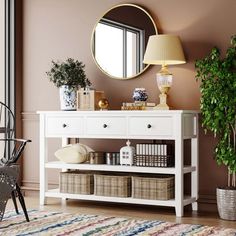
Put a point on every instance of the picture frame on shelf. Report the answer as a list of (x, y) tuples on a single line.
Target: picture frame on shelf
[(87, 100)]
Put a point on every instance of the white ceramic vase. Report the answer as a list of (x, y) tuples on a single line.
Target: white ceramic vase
[(68, 97)]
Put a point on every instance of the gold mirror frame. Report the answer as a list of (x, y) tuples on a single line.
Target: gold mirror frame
[(92, 40)]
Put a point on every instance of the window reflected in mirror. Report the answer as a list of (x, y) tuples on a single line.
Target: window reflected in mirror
[(109, 42), (125, 42), (119, 41)]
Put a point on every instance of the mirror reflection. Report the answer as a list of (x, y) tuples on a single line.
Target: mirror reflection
[(119, 41)]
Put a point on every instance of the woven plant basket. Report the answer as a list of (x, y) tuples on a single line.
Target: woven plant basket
[(226, 203)]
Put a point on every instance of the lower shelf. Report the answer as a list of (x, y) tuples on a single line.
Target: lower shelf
[(172, 203)]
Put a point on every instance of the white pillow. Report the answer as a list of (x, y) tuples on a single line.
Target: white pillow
[(76, 153)]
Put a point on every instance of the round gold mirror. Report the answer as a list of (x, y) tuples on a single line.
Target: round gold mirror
[(119, 41)]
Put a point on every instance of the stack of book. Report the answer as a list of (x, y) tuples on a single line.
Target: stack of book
[(137, 106), (157, 155)]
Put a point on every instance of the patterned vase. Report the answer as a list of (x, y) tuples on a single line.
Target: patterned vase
[(140, 95), (68, 97)]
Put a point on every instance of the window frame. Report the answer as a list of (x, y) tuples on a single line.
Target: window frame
[(10, 54)]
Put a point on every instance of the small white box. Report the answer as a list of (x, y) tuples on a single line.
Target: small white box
[(87, 100)]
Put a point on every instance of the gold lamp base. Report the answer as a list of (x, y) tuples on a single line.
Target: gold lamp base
[(162, 105)]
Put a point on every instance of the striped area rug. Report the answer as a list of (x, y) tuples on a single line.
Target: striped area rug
[(57, 223)]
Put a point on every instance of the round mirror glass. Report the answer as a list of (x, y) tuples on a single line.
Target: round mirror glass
[(119, 41)]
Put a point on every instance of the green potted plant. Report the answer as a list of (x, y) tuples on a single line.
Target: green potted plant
[(68, 76), (218, 108)]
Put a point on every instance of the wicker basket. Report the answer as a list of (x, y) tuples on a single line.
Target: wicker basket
[(155, 188), (154, 160), (226, 203), (76, 182), (112, 186)]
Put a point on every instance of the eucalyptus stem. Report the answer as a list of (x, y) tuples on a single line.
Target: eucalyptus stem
[(70, 72)]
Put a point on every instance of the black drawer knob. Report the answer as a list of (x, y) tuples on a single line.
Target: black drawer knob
[(149, 126), (64, 125), (105, 126)]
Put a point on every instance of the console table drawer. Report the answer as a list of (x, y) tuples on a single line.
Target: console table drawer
[(151, 126), (106, 126), (64, 126)]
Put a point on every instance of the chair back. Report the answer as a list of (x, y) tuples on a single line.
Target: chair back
[(7, 122), (7, 131)]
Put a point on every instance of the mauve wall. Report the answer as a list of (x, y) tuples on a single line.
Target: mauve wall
[(58, 29)]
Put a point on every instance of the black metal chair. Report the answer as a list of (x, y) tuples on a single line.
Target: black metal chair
[(11, 150), (8, 178)]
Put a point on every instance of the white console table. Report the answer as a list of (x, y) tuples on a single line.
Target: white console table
[(176, 125)]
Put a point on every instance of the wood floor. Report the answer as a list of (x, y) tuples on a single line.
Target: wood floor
[(125, 210)]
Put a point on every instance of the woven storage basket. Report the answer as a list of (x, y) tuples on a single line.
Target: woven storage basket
[(76, 182), (112, 186), (154, 160), (226, 203), (155, 188)]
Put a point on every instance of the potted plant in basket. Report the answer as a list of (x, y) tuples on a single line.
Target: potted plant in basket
[(68, 76), (218, 107)]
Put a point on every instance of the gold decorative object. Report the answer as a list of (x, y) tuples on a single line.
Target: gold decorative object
[(103, 104), (164, 50)]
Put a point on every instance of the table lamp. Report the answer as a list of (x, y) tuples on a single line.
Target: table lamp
[(164, 50)]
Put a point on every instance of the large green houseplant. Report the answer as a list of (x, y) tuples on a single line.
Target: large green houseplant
[(68, 76), (218, 108)]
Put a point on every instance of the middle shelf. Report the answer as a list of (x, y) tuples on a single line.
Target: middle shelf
[(118, 168)]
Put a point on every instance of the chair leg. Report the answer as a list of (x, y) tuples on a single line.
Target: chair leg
[(22, 202), (13, 196)]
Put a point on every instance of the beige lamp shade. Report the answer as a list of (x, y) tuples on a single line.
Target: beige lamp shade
[(164, 50)]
